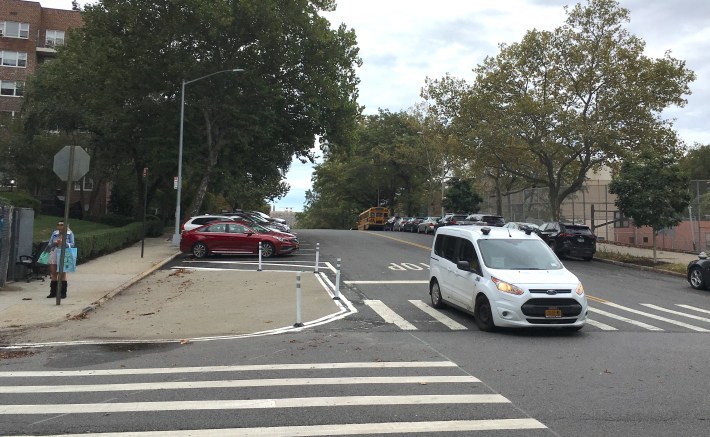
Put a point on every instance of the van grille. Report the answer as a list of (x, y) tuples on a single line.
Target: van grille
[(537, 307), (545, 290)]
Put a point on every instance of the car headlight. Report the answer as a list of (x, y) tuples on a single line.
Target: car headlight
[(506, 287), (282, 239), (580, 289)]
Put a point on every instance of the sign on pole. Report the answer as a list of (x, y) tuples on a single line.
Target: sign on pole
[(80, 163)]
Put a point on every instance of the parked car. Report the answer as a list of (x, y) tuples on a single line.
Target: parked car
[(428, 226), (233, 238), (523, 226), (451, 219), (699, 272), (504, 277), (389, 224), (258, 219), (200, 220), (568, 239), (485, 220), (411, 224), (399, 224)]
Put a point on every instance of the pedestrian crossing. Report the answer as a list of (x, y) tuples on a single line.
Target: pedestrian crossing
[(604, 316), (313, 399)]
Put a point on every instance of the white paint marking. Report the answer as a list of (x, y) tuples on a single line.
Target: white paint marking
[(678, 313), (244, 404), (451, 323), (653, 316), (624, 319), (343, 429), (600, 325), (389, 316), (385, 282), (693, 308)]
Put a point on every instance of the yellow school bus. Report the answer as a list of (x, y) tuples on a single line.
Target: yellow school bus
[(373, 218)]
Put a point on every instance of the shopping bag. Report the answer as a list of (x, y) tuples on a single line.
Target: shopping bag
[(44, 256), (69, 260)]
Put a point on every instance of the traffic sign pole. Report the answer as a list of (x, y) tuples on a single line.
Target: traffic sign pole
[(60, 262)]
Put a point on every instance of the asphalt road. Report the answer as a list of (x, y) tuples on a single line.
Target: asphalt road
[(640, 369)]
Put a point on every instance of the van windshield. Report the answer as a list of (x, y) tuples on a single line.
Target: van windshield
[(512, 254)]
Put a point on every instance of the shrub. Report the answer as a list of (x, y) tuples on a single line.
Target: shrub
[(20, 199)]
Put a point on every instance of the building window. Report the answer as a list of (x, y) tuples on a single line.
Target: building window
[(13, 29), (10, 88), (620, 221), (85, 184), (13, 59), (54, 38)]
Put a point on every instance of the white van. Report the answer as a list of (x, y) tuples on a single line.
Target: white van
[(504, 277)]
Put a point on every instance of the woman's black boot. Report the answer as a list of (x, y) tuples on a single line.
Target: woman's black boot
[(64, 289), (52, 289)]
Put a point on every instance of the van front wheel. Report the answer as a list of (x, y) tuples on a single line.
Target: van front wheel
[(483, 315), (435, 292)]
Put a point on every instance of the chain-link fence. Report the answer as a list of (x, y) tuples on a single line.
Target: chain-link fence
[(595, 207)]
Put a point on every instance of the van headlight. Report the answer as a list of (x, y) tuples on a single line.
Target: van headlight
[(506, 287), (580, 289)]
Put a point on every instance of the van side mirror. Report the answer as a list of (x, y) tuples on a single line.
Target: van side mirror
[(464, 265)]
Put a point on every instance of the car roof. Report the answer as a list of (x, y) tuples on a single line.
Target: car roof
[(477, 232)]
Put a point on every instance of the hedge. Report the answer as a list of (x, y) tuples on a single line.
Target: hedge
[(94, 244)]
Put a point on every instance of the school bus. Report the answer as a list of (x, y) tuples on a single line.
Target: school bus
[(373, 218)]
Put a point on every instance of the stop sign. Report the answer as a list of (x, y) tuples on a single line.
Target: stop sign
[(80, 165)]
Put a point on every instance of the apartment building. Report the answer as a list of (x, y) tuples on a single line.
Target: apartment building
[(29, 35)]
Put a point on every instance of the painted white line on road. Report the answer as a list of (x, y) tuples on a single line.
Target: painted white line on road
[(600, 325), (388, 315), (385, 282), (624, 319), (678, 313), (451, 323), (343, 429), (244, 368), (689, 307), (270, 382), (653, 316), (330, 266), (248, 404)]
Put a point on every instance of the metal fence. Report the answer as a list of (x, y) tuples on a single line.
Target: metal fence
[(595, 207)]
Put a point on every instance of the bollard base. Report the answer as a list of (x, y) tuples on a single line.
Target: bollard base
[(297, 325), (336, 298)]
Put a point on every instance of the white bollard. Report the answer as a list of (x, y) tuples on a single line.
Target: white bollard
[(337, 280), (259, 268), (298, 300), (317, 257)]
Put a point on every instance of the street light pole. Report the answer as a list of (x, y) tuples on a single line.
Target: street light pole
[(176, 235)]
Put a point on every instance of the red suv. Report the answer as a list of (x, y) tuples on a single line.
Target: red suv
[(233, 238)]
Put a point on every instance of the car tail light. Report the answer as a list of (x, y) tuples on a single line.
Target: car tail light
[(453, 222)]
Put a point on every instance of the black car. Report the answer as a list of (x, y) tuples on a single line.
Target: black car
[(485, 220), (451, 219), (699, 272), (568, 239)]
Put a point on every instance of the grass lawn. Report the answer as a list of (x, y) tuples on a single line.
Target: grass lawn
[(44, 225)]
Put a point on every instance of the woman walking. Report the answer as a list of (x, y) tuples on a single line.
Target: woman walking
[(55, 241)]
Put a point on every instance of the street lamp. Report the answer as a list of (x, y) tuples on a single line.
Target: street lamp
[(176, 235)]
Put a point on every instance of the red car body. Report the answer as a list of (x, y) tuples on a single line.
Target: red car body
[(235, 238)]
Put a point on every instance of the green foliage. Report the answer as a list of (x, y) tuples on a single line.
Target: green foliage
[(460, 197), (697, 163), (20, 199), (653, 191)]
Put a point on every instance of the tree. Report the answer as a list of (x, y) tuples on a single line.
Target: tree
[(120, 75), (460, 197), (558, 104), (697, 162), (652, 191)]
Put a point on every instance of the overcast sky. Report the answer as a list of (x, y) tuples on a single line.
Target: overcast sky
[(404, 41)]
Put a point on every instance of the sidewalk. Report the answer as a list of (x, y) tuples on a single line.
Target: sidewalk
[(661, 255), (253, 301)]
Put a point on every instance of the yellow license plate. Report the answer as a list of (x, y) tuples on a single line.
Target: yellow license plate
[(553, 313)]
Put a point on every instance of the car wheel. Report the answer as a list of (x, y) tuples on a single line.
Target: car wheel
[(267, 249), (199, 250), (696, 278), (435, 292), (483, 315), (588, 258)]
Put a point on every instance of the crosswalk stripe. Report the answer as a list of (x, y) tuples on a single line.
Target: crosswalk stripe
[(384, 282), (389, 316), (689, 307), (342, 429), (272, 382), (238, 404), (245, 368), (600, 325), (653, 316), (678, 313), (451, 323), (624, 319)]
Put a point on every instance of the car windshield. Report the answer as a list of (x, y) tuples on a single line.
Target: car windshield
[(514, 254), (260, 229)]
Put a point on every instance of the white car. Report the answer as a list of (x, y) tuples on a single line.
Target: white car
[(505, 278), (199, 220)]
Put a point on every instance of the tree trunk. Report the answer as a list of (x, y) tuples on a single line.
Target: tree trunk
[(654, 246)]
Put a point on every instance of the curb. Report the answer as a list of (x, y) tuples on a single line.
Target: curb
[(638, 267), (121, 287)]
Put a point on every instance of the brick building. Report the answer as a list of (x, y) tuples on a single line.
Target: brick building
[(29, 35)]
